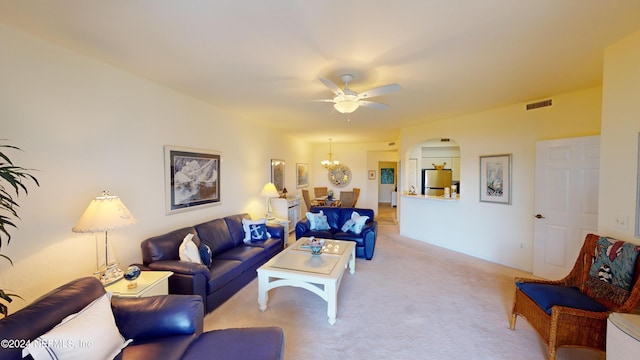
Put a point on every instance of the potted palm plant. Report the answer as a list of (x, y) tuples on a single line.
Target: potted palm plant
[(12, 181)]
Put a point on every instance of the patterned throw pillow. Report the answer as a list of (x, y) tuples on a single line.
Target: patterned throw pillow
[(321, 223), (318, 221), (355, 224), (255, 230), (348, 225), (611, 273), (359, 222)]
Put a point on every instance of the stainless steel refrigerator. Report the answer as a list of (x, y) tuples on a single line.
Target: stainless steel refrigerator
[(434, 181)]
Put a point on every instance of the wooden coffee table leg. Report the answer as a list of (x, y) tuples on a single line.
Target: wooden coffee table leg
[(263, 292), (352, 262), (332, 302)]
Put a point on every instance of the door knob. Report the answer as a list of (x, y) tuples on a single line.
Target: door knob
[(538, 216)]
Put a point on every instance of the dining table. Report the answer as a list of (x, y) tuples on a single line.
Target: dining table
[(326, 201)]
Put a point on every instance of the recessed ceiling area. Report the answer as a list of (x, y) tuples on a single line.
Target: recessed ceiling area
[(262, 60)]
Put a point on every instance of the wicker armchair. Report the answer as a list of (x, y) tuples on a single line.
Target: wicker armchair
[(571, 326)]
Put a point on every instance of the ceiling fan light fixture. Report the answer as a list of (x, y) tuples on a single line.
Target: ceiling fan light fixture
[(347, 104)]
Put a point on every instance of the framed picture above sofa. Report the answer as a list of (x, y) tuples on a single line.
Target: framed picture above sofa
[(277, 174), (192, 178), (302, 175)]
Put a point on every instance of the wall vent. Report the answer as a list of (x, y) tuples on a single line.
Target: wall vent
[(539, 104)]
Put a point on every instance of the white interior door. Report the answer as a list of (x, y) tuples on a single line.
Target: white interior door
[(566, 202)]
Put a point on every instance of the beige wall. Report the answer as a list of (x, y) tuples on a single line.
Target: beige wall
[(87, 127), (619, 140), (496, 232)]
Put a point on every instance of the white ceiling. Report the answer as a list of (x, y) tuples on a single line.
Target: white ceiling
[(261, 59)]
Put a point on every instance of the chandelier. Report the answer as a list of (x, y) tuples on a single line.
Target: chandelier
[(328, 164)]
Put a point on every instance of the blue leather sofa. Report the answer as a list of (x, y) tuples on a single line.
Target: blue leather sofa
[(234, 262), (161, 327), (336, 217)]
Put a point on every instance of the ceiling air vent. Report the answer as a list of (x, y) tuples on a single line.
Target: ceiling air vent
[(539, 104)]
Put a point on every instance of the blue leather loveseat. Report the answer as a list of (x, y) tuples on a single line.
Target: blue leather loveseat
[(161, 327), (336, 218), (234, 262)]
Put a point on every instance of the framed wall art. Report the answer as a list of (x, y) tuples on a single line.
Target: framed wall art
[(495, 178), (302, 175), (387, 176), (277, 174), (192, 178), (372, 174)]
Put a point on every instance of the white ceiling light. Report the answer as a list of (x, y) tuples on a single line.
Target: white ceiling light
[(347, 101)]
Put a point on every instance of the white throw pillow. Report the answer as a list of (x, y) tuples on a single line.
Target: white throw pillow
[(359, 222), (189, 251), (316, 221), (247, 225), (90, 333)]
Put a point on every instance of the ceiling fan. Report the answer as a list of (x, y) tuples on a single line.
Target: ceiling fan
[(347, 101)]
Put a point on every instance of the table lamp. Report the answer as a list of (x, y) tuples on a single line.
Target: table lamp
[(269, 191), (104, 213)]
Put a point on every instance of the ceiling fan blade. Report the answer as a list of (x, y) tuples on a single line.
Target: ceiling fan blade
[(386, 89), (332, 86), (324, 100), (373, 105)]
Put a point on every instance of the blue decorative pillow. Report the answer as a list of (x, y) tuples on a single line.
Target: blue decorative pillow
[(258, 232), (205, 254), (250, 234)]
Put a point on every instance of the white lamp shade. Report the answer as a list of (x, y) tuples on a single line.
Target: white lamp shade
[(269, 191), (104, 213)]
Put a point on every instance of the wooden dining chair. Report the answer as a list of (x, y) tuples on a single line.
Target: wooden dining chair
[(347, 198), (320, 191), (307, 200), (357, 192)]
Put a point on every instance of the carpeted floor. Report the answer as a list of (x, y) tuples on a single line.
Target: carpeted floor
[(412, 301)]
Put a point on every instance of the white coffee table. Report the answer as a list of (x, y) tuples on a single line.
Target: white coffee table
[(320, 274)]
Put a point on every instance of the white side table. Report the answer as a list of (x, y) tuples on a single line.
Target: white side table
[(284, 223), (623, 336), (150, 283)]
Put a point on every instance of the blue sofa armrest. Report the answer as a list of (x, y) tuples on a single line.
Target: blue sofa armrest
[(158, 316), (302, 227), (180, 267), (188, 278), (276, 231), (369, 235)]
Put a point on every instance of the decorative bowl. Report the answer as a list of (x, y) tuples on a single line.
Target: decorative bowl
[(132, 273), (316, 249), (315, 245)]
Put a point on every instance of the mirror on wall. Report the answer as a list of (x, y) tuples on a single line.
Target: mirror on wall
[(432, 154)]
